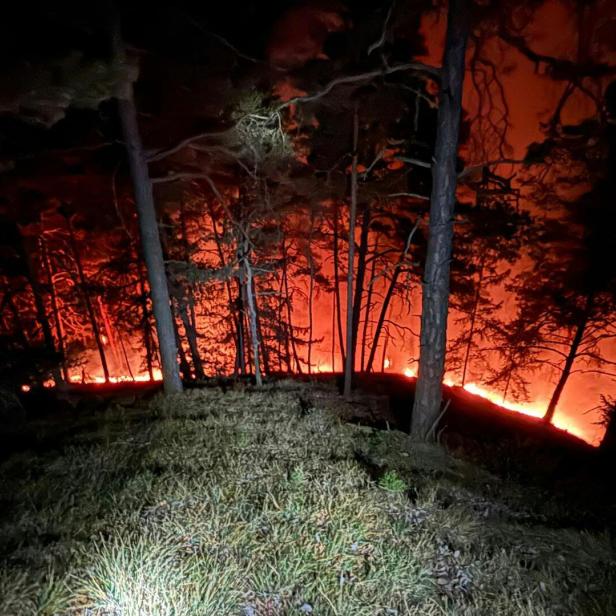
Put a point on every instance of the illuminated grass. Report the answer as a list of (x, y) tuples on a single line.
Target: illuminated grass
[(238, 503)]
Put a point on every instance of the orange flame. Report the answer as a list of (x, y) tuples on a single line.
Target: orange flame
[(534, 410)]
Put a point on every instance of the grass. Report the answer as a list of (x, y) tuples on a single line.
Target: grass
[(243, 503)]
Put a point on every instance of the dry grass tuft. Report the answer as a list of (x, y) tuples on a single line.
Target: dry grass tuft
[(253, 503)]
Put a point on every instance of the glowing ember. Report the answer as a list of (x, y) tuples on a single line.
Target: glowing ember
[(25, 388), (386, 363), (99, 379), (409, 373)]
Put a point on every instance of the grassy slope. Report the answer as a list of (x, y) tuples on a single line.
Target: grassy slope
[(250, 503)]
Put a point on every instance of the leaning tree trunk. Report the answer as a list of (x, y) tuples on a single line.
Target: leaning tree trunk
[(435, 294), (348, 366), (388, 295), (571, 356), (150, 239)]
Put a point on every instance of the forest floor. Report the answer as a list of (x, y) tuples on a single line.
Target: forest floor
[(254, 503)]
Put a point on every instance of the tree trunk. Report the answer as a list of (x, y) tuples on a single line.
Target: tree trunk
[(147, 334), (382, 316), (240, 362), (310, 316), (191, 336), (150, 239), (333, 333), (287, 301), (184, 366), (39, 304), (388, 295), (241, 338), (41, 317), (384, 356), (252, 313), (435, 294), (348, 367), (338, 303), (86, 298), (471, 333), (359, 282), (571, 356), (187, 309), (262, 345), (54, 306), (364, 336)]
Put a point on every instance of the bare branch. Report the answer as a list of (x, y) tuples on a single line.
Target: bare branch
[(381, 41), (411, 195), (420, 67), (560, 68)]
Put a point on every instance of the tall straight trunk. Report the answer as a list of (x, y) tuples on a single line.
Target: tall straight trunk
[(245, 319), (39, 304), (148, 228), (252, 312), (384, 355), (349, 367), (359, 281), (333, 333), (187, 309), (471, 332), (337, 287), (282, 334), (86, 298), (262, 346), (54, 306), (286, 331), (310, 315), (147, 334), (241, 337), (364, 336), (569, 361), (287, 300), (435, 294), (184, 366), (237, 333)]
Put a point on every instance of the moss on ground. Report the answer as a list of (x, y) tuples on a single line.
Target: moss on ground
[(255, 503)]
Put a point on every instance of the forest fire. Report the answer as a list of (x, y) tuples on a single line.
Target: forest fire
[(308, 307), (239, 259)]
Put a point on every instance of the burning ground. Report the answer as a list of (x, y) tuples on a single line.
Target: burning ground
[(265, 502)]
